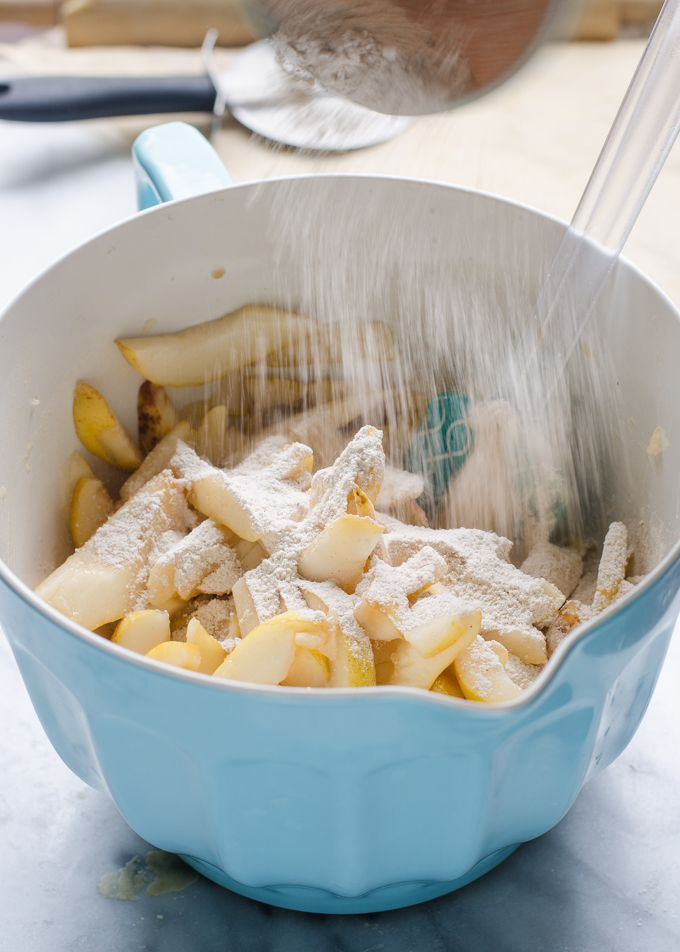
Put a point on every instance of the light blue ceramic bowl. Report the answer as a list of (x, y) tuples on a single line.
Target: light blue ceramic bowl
[(327, 801)]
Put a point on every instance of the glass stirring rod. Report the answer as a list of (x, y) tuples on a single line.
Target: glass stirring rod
[(636, 148)]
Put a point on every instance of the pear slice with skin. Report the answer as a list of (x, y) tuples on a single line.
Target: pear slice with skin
[(310, 669), (101, 581), (209, 351), (447, 683), (212, 652), (99, 431), (354, 664), (481, 675), (341, 551), (91, 506), (157, 460), (219, 442), (350, 654), (410, 668), (156, 416), (142, 630), (72, 469), (178, 654), (266, 654)]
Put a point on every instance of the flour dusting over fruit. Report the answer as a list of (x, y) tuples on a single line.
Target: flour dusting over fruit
[(264, 536)]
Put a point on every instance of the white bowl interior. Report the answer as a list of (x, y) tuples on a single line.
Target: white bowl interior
[(460, 250)]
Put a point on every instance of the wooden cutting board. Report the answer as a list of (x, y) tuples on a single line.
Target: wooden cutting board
[(153, 22)]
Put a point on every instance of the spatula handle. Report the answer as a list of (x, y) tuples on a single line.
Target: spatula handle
[(64, 98)]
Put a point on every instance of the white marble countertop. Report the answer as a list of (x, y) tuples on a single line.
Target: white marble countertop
[(608, 876)]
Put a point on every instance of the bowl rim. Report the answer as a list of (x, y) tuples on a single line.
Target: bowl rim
[(529, 695)]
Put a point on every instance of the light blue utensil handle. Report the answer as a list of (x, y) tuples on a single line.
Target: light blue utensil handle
[(175, 161)]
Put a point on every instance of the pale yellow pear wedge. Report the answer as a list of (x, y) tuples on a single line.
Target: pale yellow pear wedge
[(143, 630), (99, 430), (178, 654), (219, 442), (268, 393), (353, 665), (72, 469), (447, 683), (437, 633), (340, 551), (206, 352), (266, 654), (310, 669), (210, 439), (411, 668), (376, 621), (481, 675), (354, 340), (156, 415), (102, 581), (212, 652), (244, 604), (91, 595), (348, 648), (212, 496), (91, 506), (157, 460), (250, 554)]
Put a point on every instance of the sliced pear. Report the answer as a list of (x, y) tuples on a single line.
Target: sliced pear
[(360, 340), (310, 669), (91, 506), (377, 621), (244, 605), (218, 442), (212, 652), (178, 654), (102, 580), (340, 551), (385, 606), (250, 554), (200, 562), (99, 431), (157, 460), (206, 352), (527, 642), (350, 653), (264, 656), (353, 665), (212, 496), (457, 624), (481, 674), (269, 393), (156, 416), (447, 683), (358, 503), (72, 469), (91, 595), (142, 630), (235, 498), (211, 434), (410, 668)]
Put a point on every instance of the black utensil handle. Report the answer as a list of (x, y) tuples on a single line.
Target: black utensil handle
[(63, 98)]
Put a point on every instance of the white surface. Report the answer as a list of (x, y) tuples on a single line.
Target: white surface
[(608, 877)]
